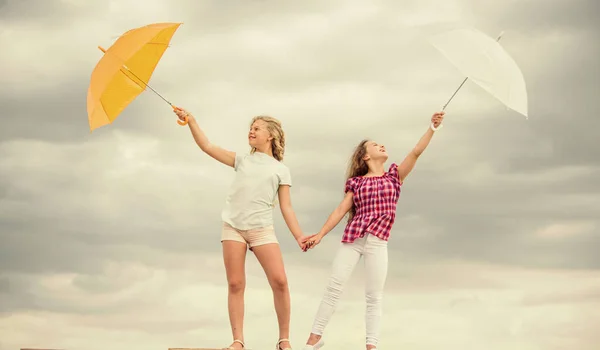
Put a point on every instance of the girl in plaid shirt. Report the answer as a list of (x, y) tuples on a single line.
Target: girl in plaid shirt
[(371, 197)]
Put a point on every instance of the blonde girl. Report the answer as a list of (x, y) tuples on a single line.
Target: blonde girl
[(260, 177)]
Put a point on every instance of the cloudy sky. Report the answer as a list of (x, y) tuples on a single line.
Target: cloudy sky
[(110, 239)]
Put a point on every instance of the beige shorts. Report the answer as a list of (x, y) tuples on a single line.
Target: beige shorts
[(252, 237)]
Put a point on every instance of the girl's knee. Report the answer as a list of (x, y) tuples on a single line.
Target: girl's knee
[(236, 286), (279, 283)]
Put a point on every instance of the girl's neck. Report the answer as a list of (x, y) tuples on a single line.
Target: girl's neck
[(375, 169), (268, 151)]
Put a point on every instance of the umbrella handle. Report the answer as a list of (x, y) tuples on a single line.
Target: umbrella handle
[(439, 126), (186, 119), (183, 123)]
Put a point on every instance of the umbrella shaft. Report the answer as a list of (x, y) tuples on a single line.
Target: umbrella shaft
[(156, 92), (138, 78), (147, 85), (464, 81), (454, 94)]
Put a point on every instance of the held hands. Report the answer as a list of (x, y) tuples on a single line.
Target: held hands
[(303, 242), (436, 120), (312, 241)]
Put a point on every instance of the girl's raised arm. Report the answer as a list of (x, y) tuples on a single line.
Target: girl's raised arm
[(222, 155), (409, 162)]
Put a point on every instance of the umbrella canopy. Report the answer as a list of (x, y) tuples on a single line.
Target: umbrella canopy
[(482, 60), (124, 71)]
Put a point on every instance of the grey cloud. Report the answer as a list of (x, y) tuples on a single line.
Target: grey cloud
[(96, 242), (91, 236), (15, 294), (545, 17), (56, 115), (28, 295), (589, 295), (50, 12), (217, 15), (60, 114)]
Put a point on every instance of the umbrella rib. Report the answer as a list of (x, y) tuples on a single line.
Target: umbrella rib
[(147, 85), (143, 82), (136, 83), (104, 109), (132, 73), (465, 80)]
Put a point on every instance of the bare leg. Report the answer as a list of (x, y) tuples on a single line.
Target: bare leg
[(269, 257), (234, 256)]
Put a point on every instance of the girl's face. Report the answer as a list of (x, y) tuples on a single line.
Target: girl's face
[(375, 151), (259, 135)]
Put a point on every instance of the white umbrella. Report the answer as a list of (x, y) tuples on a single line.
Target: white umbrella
[(485, 62)]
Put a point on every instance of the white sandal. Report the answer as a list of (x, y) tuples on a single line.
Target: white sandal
[(277, 347), (317, 346), (237, 341)]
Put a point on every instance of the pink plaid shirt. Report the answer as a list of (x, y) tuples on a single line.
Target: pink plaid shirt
[(375, 200)]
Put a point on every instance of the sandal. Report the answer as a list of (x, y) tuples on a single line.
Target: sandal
[(277, 347), (237, 341)]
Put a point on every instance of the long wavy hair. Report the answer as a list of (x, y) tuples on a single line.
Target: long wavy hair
[(357, 166), (276, 131)]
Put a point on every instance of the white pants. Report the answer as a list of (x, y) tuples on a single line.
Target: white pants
[(375, 255)]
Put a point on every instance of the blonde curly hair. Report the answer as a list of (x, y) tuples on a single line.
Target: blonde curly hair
[(276, 131)]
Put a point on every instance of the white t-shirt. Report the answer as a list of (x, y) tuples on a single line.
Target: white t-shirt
[(252, 194)]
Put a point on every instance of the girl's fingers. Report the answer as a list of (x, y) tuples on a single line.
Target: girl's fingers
[(180, 112)]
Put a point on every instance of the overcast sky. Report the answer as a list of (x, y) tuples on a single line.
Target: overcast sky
[(110, 239)]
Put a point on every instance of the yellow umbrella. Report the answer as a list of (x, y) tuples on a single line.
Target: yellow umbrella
[(125, 70)]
